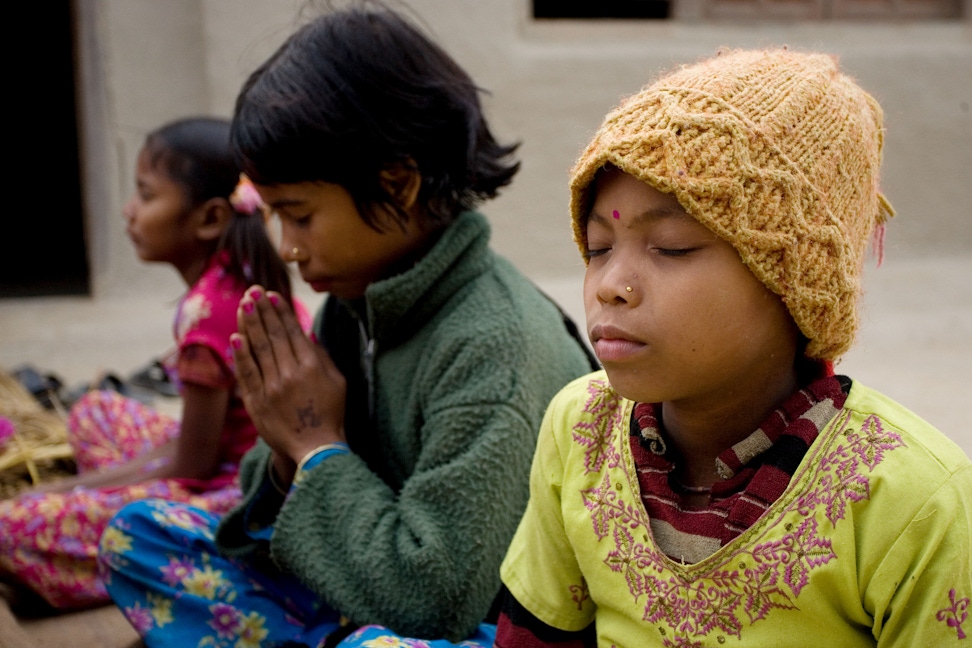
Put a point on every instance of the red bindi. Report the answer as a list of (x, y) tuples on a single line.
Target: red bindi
[(616, 214)]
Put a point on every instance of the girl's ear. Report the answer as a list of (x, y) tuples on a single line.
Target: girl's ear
[(402, 182), (212, 217)]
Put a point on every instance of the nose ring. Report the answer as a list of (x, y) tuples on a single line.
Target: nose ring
[(628, 288)]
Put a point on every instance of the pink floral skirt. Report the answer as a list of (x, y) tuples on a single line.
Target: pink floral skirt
[(49, 542)]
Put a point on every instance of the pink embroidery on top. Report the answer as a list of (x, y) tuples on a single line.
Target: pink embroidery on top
[(595, 436), (848, 481), (770, 575), (579, 594), (955, 615)]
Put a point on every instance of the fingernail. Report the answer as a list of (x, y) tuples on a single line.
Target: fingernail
[(248, 307), (256, 295), (274, 299), (236, 342)]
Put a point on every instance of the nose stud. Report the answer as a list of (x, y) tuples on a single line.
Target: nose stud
[(295, 253), (628, 288)]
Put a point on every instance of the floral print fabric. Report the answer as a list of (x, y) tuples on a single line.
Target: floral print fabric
[(164, 572), (50, 541)]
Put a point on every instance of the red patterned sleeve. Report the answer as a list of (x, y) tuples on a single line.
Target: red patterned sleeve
[(201, 365)]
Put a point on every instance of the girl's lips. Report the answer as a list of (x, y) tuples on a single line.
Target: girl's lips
[(317, 283), (616, 350), (612, 344)]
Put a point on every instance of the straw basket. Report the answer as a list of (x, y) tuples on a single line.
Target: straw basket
[(38, 450)]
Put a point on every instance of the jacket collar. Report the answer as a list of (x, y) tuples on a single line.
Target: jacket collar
[(396, 307)]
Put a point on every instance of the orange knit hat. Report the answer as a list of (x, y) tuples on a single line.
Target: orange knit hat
[(776, 152)]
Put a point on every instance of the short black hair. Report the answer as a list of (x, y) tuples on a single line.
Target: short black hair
[(361, 90)]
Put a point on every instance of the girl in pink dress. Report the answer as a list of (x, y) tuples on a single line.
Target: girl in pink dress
[(193, 210)]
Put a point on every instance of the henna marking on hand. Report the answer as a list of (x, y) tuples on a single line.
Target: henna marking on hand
[(307, 417)]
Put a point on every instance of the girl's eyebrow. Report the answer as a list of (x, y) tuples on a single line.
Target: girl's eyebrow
[(286, 202)]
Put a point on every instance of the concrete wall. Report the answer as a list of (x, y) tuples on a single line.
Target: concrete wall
[(144, 62)]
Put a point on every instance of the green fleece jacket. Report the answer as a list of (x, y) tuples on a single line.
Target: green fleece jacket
[(450, 366)]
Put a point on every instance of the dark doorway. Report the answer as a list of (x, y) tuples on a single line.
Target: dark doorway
[(644, 9), (45, 250)]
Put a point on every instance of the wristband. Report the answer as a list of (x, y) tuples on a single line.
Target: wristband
[(317, 456)]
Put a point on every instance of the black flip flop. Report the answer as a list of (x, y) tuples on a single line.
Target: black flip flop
[(44, 387), (155, 378)]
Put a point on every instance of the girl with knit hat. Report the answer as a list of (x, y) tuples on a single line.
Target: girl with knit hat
[(717, 482)]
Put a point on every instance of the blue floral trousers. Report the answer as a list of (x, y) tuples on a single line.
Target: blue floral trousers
[(161, 566)]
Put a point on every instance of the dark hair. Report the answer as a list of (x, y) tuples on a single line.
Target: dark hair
[(195, 153), (362, 90)]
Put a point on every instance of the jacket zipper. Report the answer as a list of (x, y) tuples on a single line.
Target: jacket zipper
[(368, 365)]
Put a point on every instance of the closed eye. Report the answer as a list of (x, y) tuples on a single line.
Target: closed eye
[(596, 252), (294, 219), (674, 253)]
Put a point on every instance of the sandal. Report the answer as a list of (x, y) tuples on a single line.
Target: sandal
[(109, 382), (155, 378), (44, 387)]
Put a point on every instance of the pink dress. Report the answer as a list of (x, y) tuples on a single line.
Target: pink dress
[(49, 542)]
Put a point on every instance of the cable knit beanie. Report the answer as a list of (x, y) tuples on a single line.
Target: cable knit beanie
[(776, 152)]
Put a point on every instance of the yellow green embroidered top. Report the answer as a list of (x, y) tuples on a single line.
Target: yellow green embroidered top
[(871, 543)]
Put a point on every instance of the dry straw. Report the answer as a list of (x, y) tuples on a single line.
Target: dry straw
[(39, 445)]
